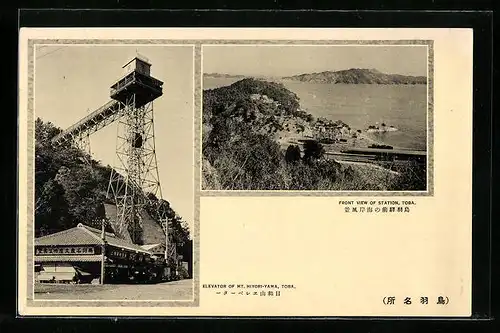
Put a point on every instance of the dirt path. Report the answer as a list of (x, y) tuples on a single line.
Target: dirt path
[(176, 290)]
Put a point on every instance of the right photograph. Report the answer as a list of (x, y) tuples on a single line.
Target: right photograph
[(316, 117)]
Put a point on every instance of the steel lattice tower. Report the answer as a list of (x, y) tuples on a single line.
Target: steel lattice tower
[(136, 154), (135, 178)]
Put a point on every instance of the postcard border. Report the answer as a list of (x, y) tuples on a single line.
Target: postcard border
[(198, 192), (429, 192), (30, 112)]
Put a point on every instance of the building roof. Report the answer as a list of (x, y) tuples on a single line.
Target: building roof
[(113, 240), (85, 235), (148, 247), (139, 57), (74, 236)]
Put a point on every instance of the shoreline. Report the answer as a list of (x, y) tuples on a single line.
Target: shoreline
[(285, 138), (362, 141), (376, 142)]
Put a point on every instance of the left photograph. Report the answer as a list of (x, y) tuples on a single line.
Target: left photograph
[(113, 172)]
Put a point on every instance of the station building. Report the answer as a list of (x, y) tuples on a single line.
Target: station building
[(84, 254)]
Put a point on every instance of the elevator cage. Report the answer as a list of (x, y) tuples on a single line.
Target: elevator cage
[(137, 87)]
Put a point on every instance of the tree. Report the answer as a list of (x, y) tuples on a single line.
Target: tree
[(45, 131), (67, 190), (313, 150), (292, 154), (84, 192), (51, 209), (179, 230)]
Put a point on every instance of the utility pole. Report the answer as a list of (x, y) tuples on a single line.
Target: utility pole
[(166, 248), (103, 248)]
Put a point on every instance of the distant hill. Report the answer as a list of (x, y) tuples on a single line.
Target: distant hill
[(357, 76), (223, 76), (240, 76)]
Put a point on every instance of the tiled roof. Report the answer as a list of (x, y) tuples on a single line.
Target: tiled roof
[(73, 236), (111, 239), (85, 235), (149, 246), (69, 258)]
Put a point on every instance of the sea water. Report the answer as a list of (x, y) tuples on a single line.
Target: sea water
[(362, 105)]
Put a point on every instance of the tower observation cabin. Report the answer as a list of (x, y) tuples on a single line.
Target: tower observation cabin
[(137, 86)]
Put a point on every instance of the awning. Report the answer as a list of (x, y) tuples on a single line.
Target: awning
[(68, 258), (81, 272)]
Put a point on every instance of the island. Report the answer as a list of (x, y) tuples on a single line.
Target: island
[(357, 76)]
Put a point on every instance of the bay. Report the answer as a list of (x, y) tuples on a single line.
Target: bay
[(362, 105)]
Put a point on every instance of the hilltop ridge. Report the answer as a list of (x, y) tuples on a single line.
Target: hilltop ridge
[(223, 76), (347, 76), (357, 76)]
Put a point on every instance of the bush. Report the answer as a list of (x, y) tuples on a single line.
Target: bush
[(380, 146), (313, 175), (313, 150), (182, 273), (247, 160), (349, 173), (412, 177), (292, 154)]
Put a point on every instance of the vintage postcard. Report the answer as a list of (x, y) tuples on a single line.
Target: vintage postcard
[(245, 172)]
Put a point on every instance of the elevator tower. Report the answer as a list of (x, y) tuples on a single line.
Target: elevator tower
[(134, 179), (136, 175)]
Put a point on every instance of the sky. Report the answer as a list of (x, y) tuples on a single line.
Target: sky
[(280, 60), (72, 81)]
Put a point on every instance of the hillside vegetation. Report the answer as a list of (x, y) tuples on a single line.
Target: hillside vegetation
[(358, 76), (70, 188), (242, 124)]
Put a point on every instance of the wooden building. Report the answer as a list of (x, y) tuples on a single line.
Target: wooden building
[(83, 254)]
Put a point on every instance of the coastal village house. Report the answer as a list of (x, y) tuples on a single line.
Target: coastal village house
[(83, 254)]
